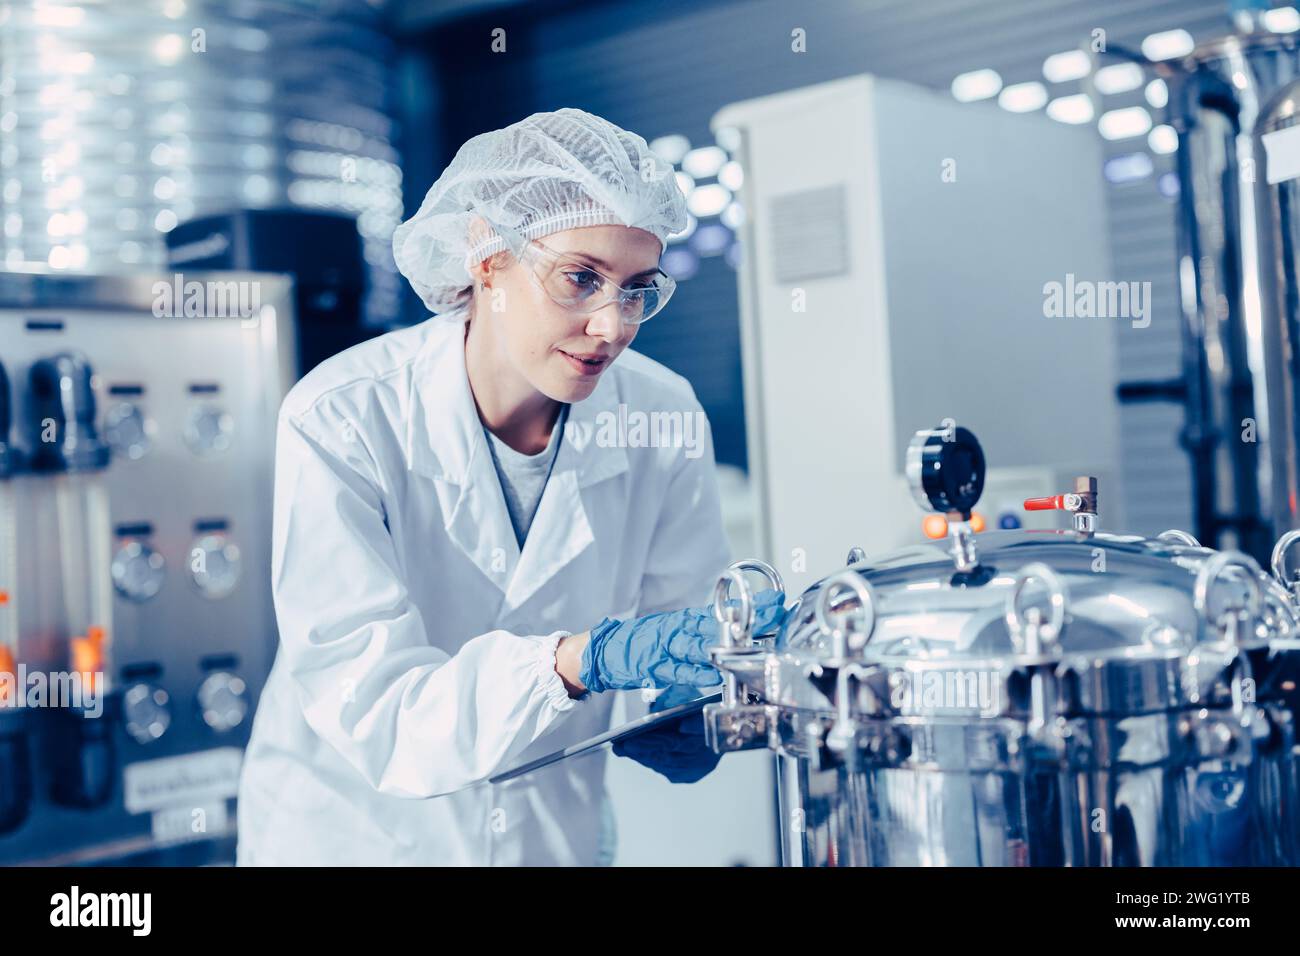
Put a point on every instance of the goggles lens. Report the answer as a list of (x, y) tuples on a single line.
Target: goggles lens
[(582, 289)]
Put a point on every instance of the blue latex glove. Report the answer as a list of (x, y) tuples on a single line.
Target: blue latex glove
[(666, 648), (676, 751)]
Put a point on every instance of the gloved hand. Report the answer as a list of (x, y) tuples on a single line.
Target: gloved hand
[(666, 648), (677, 750)]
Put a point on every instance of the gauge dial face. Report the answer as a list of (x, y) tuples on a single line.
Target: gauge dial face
[(208, 431), (214, 565), (223, 701), (945, 469), (128, 431), (146, 712), (138, 571)]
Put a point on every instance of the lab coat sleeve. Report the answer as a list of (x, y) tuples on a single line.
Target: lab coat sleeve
[(412, 719), (689, 549)]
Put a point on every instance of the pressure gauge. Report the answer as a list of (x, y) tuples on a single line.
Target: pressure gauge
[(208, 430), (138, 571), (128, 431), (945, 469), (146, 712), (214, 565), (223, 701)]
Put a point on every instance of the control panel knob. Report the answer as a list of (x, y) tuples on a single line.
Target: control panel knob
[(146, 712), (214, 565), (127, 431), (223, 701), (208, 430), (138, 571)]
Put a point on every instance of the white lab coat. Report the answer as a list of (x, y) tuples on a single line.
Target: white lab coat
[(417, 644)]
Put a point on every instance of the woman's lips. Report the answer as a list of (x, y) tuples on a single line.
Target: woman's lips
[(586, 365)]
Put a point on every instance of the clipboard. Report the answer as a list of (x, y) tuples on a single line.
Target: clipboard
[(630, 729)]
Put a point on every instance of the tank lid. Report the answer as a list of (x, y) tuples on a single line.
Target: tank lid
[(1113, 624), (1106, 595)]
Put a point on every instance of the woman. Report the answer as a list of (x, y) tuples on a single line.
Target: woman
[(464, 563)]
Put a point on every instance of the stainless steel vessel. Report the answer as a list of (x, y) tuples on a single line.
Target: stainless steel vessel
[(1070, 698)]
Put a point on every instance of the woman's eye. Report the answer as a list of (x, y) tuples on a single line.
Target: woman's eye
[(583, 279)]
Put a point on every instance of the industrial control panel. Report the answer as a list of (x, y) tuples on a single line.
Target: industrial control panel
[(136, 618)]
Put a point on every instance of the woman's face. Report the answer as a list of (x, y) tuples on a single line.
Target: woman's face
[(561, 353)]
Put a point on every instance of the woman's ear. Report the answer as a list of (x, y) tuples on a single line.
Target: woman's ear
[(483, 273), (478, 231), (479, 273)]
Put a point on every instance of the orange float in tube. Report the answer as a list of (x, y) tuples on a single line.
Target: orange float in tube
[(88, 655), (7, 666)]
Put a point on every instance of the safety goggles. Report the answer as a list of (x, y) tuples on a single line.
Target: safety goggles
[(580, 288)]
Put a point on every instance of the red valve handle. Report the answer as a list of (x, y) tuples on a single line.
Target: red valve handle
[(1050, 503)]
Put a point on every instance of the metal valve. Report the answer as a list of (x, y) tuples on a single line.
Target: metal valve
[(1081, 503)]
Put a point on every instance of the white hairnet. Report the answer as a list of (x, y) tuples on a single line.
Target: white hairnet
[(549, 172)]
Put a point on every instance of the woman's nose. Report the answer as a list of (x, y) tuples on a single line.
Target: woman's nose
[(607, 323)]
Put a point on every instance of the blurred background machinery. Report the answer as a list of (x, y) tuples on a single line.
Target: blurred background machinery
[(140, 554), (1232, 102), (122, 120)]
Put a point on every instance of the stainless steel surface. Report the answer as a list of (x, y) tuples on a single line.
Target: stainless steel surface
[(1134, 791)]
